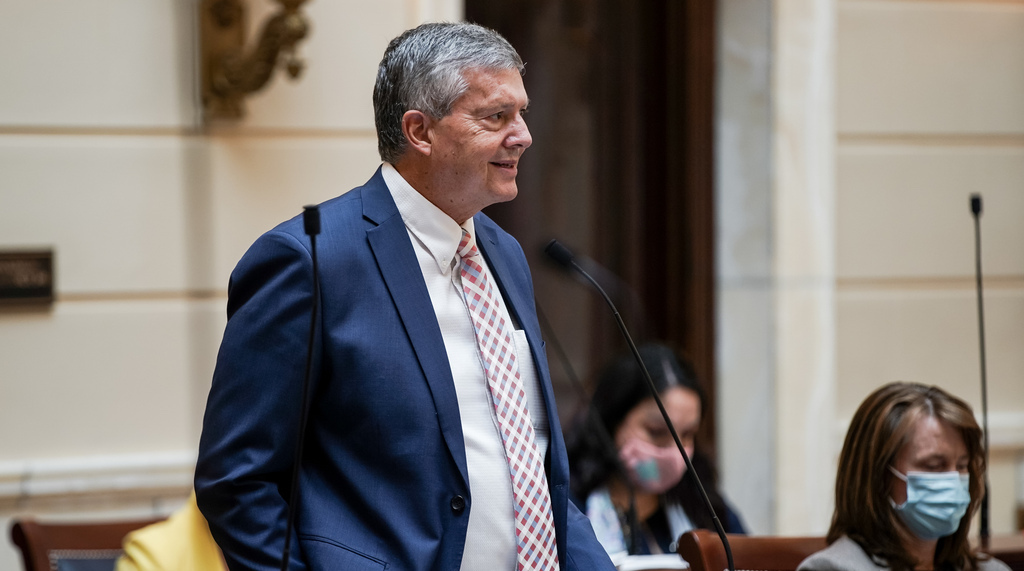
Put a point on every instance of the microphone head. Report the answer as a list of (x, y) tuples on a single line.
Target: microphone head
[(559, 253), (311, 219), (976, 204)]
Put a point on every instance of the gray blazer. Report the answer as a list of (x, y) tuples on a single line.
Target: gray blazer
[(846, 555)]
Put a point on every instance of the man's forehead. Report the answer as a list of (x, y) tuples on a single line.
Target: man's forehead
[(482, 95), (492, 79)]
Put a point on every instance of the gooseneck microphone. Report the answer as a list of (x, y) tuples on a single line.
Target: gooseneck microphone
[(563, 256), (983, 529), (311, 225)]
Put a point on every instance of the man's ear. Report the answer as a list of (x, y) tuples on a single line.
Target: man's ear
[(416, 127)]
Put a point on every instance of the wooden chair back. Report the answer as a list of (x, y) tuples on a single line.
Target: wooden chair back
[(71, 546), (704, 551)]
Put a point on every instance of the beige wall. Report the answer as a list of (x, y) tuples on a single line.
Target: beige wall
[(103, 159), (913, 106), (929, 110)]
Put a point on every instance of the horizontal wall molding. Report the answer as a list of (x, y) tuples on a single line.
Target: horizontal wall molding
[(22, 480), (973, 140), (189, 295), (853, 284), (210, 132), (1001, 283), (1006, 430)]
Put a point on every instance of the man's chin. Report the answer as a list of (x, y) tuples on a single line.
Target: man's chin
[(505, 194), (499, 194)]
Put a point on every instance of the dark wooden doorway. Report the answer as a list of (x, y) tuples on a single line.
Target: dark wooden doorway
[(621, 172)]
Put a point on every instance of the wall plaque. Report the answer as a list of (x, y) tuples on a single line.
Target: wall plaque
[(26, 277)]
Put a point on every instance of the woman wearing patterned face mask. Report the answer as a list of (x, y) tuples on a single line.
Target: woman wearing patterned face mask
[(627, 474), (910, 477)]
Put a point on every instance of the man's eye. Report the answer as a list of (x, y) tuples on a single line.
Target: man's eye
[(497, 116)]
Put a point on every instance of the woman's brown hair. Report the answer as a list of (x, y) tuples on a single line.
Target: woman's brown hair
[(880, 428)]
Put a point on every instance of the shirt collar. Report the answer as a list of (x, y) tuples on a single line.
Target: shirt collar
[(435, 230)]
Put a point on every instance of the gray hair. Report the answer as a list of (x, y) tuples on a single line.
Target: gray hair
[(422, 69)]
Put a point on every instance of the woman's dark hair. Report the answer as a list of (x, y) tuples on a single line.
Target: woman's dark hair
[(593, 458), (881, 427)]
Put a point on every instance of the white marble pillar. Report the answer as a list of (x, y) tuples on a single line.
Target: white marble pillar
[(804, 263), (744, 295)]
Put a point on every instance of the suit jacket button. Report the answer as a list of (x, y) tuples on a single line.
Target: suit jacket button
[(458, 504)]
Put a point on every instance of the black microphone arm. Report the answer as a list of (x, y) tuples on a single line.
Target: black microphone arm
[(311, 225), (563, 256), (983, 527)]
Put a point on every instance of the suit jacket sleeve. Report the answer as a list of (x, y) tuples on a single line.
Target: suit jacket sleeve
[(249, 430), (583, 551)]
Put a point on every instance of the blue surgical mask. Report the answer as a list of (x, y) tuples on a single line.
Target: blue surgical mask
[(936, 502)]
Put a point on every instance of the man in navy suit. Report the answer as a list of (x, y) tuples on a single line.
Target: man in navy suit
[(404, 465)]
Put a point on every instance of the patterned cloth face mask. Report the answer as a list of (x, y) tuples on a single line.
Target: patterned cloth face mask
[(652, 468), (936, 502)]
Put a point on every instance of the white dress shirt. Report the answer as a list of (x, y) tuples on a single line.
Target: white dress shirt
[(491, 537)]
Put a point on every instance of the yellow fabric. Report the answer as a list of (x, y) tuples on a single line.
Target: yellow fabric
[(181, 542)]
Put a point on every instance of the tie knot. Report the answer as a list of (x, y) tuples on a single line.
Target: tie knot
[(467, 246)]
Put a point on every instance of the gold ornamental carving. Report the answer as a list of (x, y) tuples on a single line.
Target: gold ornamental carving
[(231, 70)]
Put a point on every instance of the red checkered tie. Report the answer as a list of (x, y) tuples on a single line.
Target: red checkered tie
[(535, 529)]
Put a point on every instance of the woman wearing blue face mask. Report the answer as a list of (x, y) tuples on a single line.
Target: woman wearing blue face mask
[(910, 477), (627, 474)]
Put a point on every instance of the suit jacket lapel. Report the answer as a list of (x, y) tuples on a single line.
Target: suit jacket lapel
[(389, 241)]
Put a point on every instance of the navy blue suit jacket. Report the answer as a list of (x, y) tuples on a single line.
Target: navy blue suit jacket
[(384, 468)]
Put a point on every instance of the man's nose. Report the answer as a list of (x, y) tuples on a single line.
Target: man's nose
[(520, 134)]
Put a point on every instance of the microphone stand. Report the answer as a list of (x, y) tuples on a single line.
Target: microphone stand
[(311, 225), (983, 528), (562, 255)]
